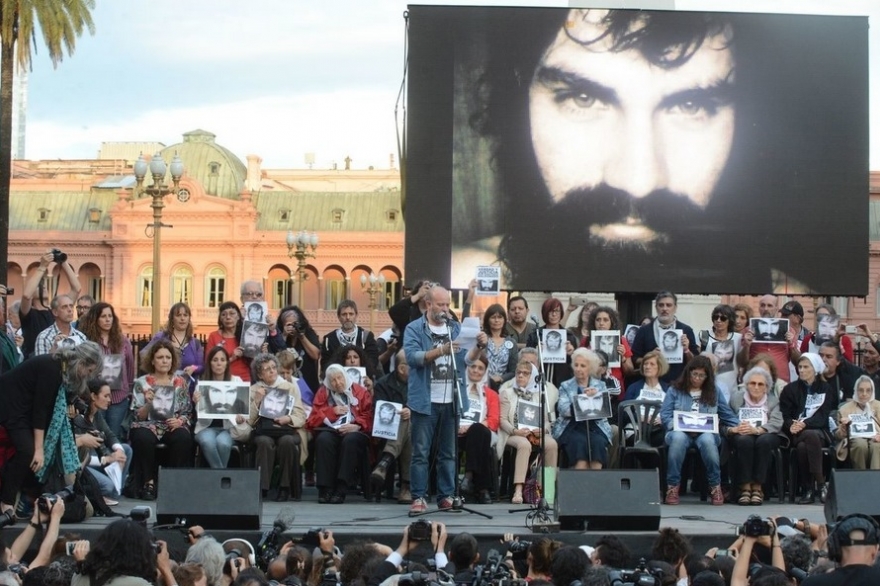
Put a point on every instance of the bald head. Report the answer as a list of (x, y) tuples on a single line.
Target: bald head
[(436, 304), (768, 306)]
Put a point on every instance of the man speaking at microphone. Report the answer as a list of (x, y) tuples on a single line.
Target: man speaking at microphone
[(429, 350)]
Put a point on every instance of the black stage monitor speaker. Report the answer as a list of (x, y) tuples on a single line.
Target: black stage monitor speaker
[(212, 498), (853, 491), (608, 500)]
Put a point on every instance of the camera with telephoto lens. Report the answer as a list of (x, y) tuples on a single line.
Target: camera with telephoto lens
[(82, 426), (18, 569), (755, 526), (420, 530), (640, 576), (7, 518), (58, 256), (495, 572), (48, 500), (519, 550)]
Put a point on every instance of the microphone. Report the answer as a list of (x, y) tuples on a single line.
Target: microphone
[(442, 316), (534, 318)]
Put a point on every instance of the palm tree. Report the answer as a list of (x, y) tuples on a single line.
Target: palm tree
[(61, 22)]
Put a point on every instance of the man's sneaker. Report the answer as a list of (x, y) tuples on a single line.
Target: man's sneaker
[(672, 497), (418, 507), (716, 495), (445, 504)]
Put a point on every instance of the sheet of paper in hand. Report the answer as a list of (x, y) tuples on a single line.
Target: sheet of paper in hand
[(656, 395), (862, 425), (164, 403), (275, 404), (356, 374), (754, 416), (596, 407), (488, 281), (695, 422), (111, 371), (386, 421), (474, 414), (769, 329), (253, 336), (608, 341), (528, 415), (256, 311), (670, 346), (221, 399), (630, 333), (553, 346)]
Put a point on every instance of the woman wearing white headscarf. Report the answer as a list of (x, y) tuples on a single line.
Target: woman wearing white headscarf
[(477, 431), (863, 452), (520, 435), (806, 405), (341, 420)]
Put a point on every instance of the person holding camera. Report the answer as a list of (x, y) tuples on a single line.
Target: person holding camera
[(34, 310), (98, 445), (294, 331), (125, 554), (753, 532), (412, 537), (47, 515), (33, 409)]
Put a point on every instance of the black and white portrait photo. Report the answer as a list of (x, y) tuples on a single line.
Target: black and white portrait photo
[(275, 404), (692, 421), (670, 346), (724, 351), (826, 328), (769, 329), (111, 371), (587, 407), (607, 341), (386, 419), (253, 336), (630, 333), (862, 425), (488, 281), (356, 374), (256, 311), (221, 399), (528, 415), (163, 406), (553, 347), (610, 143)]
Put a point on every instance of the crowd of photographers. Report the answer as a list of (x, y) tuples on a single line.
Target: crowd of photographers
[(767, 552)]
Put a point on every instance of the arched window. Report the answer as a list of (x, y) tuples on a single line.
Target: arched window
[(145, 287), (215, 287), (182, 285), (335, 287)]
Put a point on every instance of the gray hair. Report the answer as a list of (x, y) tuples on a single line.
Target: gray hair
[(526, 350), (81, 356), (334, 368), (250, 282), (865, 379), (207, 552), (56, 301), (258, 362), (592, 358), (762, 372)]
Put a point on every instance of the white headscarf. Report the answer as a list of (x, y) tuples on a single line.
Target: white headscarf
[(815, 361), (531, 387)]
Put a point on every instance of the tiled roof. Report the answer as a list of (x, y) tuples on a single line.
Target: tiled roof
[(63, 210), (360, 212)]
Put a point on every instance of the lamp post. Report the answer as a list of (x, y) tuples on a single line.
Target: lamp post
[(376, 284), (301, 245), (158, 190)]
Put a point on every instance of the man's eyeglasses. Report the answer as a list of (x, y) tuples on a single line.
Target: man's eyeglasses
[(83, 308), (252, 294), (719, 317)]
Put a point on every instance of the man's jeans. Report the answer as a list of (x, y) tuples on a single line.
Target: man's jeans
[(678, 443), (423, 432)]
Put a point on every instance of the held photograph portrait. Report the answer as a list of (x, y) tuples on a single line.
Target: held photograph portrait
[(221, 399)]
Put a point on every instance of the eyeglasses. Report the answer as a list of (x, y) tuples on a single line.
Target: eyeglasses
[(555, 310), (82, 308), (252, 294), (719, 316), (698, 375)]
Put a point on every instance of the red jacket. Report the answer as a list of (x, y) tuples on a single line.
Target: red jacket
[(322, 409)]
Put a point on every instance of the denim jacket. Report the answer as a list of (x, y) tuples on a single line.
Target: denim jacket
[(417, 342), (564, 407), (677, 400)]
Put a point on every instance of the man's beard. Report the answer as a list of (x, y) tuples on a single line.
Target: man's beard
[(222, 408)]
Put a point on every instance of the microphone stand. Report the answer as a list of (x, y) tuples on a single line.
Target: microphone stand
[(457, 406), (538, 517)]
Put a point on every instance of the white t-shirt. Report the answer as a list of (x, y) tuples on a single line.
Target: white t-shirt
[(442, 383)]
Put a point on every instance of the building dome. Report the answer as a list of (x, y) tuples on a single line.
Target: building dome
[(219, 171)]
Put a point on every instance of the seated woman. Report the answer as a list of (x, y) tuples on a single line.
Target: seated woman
[(651, 388), (756, 436), (278, 419), (806, 405), (765, 361), (351, 356), (98, 445), (162, 412), (341, 420), (863, 452), (212, 435), (522, 435), (695, 392), (585, 442), (478, 432)]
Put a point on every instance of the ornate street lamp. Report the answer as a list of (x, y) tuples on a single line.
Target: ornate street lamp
[(376, 284), (301, 245)]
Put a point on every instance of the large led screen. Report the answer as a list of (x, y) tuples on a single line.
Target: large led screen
[(634, 151)]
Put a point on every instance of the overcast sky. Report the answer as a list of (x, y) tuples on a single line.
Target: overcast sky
[(276, 78)]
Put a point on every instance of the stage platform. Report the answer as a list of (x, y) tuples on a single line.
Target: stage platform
[(357, 519)]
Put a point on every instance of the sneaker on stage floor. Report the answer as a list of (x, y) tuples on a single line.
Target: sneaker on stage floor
[(672, 497), (716, 496), (445, 503), (418, 507)]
